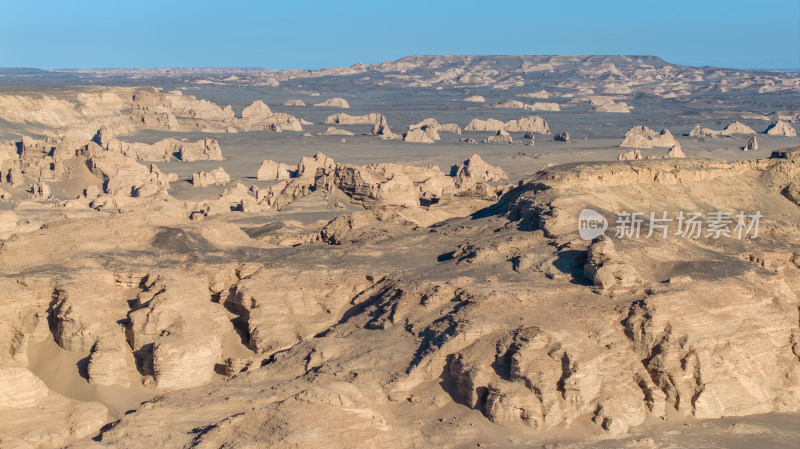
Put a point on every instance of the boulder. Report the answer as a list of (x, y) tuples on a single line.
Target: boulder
[(294, 103), (475, 99)]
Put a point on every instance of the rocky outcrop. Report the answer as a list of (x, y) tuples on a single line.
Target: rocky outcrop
[(259, 117), (283, 306), (202, 150), (294, 103), (347, 119), (632, 155), (533, 124), (751, 145), (335, 102), (175, 322), (20, 388), (271, 170), (644, 137), (256, 110), (500, 137), (780, 128), (436, 126), (674, 152), (475, 169), (216, 177), (109, 364), (730, 130), (381, 128), (426, 134), (737, 128), (309, 166), (606, 268), (165, 150)]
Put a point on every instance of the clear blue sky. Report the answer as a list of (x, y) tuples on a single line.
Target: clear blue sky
[(313, 34)]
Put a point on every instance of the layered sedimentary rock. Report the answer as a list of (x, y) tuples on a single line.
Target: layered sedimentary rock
[(283, 306), (175, 322)]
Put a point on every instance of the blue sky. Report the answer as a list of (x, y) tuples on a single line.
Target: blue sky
[(314, 34)]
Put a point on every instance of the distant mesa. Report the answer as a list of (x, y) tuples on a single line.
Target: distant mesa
[(475, 99)]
